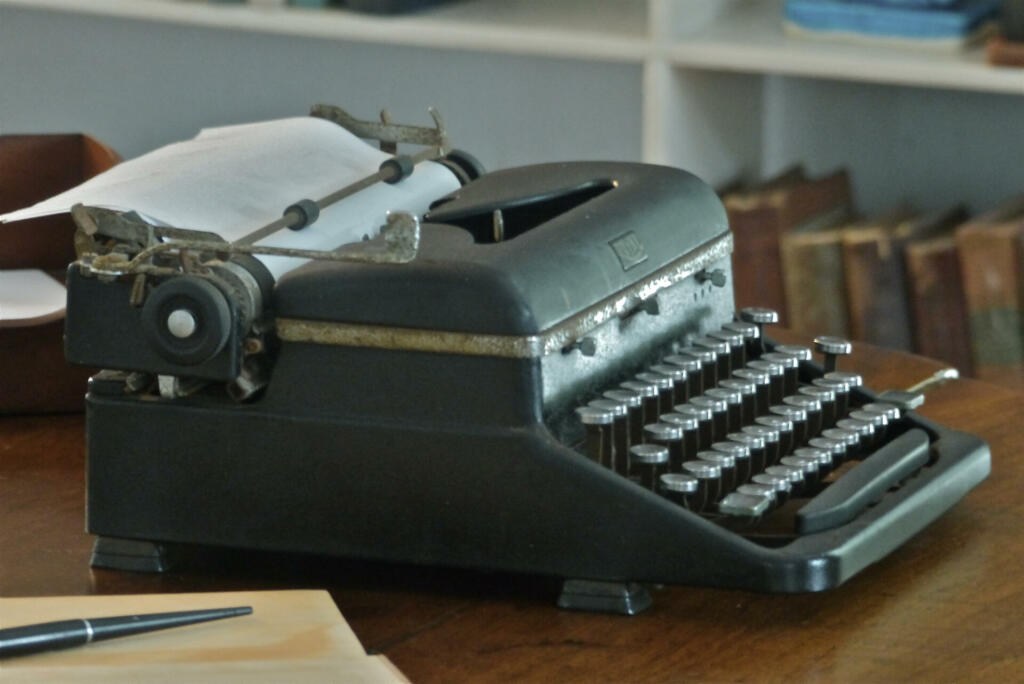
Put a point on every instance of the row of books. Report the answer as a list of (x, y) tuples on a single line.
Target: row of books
[(942, 284), (927, 24)]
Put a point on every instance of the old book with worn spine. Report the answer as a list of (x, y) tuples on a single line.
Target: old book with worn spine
[(876, 279), (761, 215), (937, 307), (873, 269), (812, 268), (991, 254)]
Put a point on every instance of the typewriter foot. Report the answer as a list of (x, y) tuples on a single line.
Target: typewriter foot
[(624, 598), (128, 554)]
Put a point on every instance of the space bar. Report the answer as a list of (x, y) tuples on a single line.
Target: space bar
[(842, 500)]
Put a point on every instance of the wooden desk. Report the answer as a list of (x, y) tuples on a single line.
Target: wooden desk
[(946, 606)]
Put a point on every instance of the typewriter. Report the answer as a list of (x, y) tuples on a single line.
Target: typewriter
[(540, 372)]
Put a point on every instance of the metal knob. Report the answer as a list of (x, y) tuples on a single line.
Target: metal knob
[(760, 317), (832, 347)]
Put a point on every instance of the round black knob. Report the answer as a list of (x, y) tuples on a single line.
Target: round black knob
[(187, 320)]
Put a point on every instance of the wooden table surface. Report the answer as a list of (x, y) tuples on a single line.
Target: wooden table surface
[(947, 606)]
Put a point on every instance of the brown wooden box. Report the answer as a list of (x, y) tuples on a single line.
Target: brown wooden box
[(34, 377)]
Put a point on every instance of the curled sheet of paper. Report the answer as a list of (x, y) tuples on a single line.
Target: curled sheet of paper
[(232, 180), (29, 297)]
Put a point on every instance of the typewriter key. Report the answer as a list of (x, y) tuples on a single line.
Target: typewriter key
[(790, 370), (709, 478), (864, 430), (620, 428), (740, 505), (679, 376), (799, 352), (648, 462), (770, 437), (878, 420), (848, 437), (669, 436), (694, 373), (793, 473), (737, 355), (649, 394), (708, 364), (727, 463), (776, 373), (842, 390), (634, 404), (851, 379), (704, 417), (798, 417), (780, 483), (682, 488), (831, 348), (734, 405), (890, 411), (813, 408), (760, 317), (741, 454), (597, 426), (764, 490), (691, 436), (723, 355), (751, 339), (809, 465), (822, 456), (827, 397), (836, 449), (762, 381), (666, 389), (784, 426), (748, 397), (756, 444), (719, 414)]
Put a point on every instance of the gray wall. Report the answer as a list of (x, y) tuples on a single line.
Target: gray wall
[(137, 85), (928, 147)]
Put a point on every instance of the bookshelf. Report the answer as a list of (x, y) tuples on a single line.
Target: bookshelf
[(714, 86)]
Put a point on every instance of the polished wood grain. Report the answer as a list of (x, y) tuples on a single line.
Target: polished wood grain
[(944, 607)]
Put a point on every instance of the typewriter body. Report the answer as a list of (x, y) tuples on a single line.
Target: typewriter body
[(482, 402)]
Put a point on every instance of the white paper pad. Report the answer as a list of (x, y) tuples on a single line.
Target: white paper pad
[(29, 297), (233, 180)]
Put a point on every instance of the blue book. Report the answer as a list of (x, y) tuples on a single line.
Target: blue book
[(938, 21)]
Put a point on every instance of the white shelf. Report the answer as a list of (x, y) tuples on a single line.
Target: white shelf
[(744, 36), (688, 83), (610, 30), (748, 37)]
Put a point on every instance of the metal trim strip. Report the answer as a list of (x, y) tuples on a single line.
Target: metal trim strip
[(548, 342)]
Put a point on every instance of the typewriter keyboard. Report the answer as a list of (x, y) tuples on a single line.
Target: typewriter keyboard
[(754, 436)]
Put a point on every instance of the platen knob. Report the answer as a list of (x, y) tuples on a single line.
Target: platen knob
[(187, 319)]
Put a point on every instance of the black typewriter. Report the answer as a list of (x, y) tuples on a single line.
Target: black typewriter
[(553, 380)]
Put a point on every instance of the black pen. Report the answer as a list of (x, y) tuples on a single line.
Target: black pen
[(49, 636)]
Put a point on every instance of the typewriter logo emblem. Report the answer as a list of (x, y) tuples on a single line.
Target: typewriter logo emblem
[(629, 249)]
